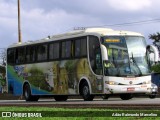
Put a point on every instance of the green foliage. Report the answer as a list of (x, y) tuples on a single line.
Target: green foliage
[(70, 66), (37, 78), (155, 37), (156, 68), (83, 114)]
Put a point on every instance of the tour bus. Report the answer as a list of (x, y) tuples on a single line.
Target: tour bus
[(88, 62)]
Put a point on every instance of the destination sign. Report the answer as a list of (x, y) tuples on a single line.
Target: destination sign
[(112, 40)]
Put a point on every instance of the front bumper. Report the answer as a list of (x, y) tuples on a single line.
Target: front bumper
[(118, 89)]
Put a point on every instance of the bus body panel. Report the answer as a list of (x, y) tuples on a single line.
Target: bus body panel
[(14, 83), (52, 78)]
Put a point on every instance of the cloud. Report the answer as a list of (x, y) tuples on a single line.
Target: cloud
[(36, 23), (8, 23), (129, 5), (41, 18)]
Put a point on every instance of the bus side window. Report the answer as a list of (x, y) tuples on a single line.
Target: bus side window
[(77, 48), (54, 51), (11, 56), (30, 54), (95, 55), (83, 47), (42, 52), (80, 47), (66, 49), (20, 55)]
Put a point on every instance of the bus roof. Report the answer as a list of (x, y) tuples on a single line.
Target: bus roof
[(79, 33)]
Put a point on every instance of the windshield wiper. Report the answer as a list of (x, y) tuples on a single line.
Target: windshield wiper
[(134, 61), (118, 74)]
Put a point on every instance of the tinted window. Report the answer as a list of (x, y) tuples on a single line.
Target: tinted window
[(80, 47), (54, 51), (66, 49), (10, 56), (83, 47), (77, 48), (30, 54), (42, 52), (95, 55), (20, 55)]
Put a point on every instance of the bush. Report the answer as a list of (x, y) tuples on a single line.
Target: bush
[(156, 68)]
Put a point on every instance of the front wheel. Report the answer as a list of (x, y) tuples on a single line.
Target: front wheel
[(152, 96), (85, 92), (126, 96)]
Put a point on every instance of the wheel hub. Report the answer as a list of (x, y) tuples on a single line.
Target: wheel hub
[(85, 90)]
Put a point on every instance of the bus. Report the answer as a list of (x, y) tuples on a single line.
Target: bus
[(87, 62)]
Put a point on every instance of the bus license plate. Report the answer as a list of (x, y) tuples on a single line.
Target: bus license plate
[(130, 89)]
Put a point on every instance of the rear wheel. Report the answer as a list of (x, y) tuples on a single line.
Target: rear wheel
[(105, 97), (27, 94), (85, 92), (61, 97), (126, 96)]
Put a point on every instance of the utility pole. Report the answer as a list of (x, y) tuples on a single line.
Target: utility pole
[(19, 24)]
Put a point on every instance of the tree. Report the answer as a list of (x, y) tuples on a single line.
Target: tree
[(156, 39), (3, 53)]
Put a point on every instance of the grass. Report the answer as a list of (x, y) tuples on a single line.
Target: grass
[(79, 114)]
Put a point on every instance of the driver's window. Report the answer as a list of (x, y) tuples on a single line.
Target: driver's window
[(95, 55)]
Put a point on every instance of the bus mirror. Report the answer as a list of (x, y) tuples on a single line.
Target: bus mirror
[(104, 52), (152, 54)]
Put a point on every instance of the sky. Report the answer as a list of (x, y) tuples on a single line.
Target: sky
[(41, 18)]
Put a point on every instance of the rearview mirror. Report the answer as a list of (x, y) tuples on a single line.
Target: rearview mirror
[(153, 54), (104, 52)]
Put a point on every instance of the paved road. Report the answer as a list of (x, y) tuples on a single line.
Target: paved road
[(144, 103), (81, 101)]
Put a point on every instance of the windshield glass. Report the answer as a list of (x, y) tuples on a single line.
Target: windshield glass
[(126, 56), (137, 53)]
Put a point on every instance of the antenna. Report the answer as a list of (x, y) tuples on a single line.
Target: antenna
[(79, 28)]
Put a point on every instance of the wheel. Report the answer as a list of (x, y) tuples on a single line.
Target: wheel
[(152, 96), (85, 92), (105, 97), (61, 97), (126, 96), (27, 94)]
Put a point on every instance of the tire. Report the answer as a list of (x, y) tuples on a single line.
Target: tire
[(61, 97), (152, 96), (27, 94), (126, 96), (85, 92), (105, 97)]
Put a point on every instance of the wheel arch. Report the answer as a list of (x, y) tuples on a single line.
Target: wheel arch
[(82, 80)]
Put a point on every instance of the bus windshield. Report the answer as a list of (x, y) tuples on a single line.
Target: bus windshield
[(126, 56)]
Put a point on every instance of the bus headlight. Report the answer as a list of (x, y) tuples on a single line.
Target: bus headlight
[(111, 83), (154, 86), (147, 82)]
